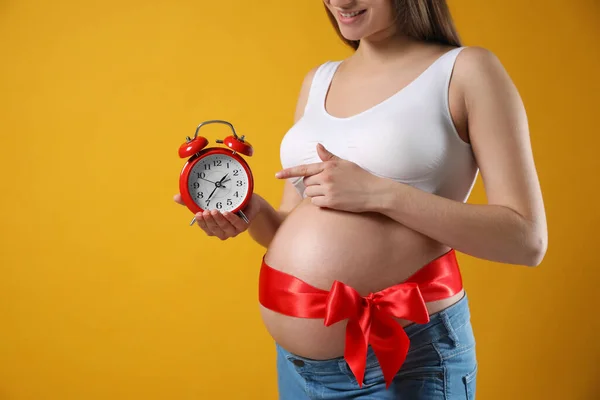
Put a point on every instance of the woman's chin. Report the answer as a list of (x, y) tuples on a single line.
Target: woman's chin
[(351, 36)]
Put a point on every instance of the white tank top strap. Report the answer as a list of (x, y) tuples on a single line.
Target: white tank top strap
[(441, 69), (442, 74), (434, 81), (447, 62), (320, 84)]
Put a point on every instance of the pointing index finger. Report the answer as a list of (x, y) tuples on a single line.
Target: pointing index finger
[(300, 170)]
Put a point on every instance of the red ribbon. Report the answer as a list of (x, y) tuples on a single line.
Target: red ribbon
[(370, 318), (370, 321)]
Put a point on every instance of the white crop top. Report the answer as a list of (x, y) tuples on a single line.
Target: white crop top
[(409, 137)]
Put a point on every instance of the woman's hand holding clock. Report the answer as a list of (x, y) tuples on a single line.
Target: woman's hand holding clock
[(220, 210), (226, 225)]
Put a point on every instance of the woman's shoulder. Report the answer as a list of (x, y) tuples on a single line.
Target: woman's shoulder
[(479, 73), (309, 76), (469, 56), (477, 57), (477, 63)]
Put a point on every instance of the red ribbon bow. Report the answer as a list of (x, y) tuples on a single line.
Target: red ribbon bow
[(370, 321), (371, 318)]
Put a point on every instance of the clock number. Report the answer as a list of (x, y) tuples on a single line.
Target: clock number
[(236, 172), (236, 194), (196, 185), (201, 175), (217, 163), (227, 165), (206, 166), (200, 195), (219, 205), (239, 183), (207, 203), (229, 202)]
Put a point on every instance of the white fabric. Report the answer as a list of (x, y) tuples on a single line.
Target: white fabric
[(409, 137)]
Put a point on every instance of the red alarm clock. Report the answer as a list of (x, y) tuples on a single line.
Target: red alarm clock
[(216, 178)]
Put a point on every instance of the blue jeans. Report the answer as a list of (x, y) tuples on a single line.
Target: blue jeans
[(440, 364)]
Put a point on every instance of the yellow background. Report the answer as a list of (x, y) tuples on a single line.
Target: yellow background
[(106, 293)]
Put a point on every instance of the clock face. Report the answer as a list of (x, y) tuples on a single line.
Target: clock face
[(218, 182)]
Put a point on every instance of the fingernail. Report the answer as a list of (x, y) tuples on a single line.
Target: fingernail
[(278, 174)]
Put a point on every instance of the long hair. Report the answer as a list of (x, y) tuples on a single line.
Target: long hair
[(427, 20)]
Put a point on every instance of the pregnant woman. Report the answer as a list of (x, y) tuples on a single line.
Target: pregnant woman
[(359, 285)]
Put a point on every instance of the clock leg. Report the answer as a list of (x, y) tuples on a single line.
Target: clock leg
[(193, 221), (243, 216)]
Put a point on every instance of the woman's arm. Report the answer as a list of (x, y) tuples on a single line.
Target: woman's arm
[(263, 227), (511, 228)]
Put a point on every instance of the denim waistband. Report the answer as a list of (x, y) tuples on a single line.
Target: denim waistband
[(441, 324)]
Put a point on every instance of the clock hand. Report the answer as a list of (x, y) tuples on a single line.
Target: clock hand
[(223, 186), (212, 193), (219, 184)]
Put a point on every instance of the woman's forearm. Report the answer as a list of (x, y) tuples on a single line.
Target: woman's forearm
[(263, 227), (491, 232)]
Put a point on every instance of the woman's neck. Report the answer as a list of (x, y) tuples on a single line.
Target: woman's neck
[(382, 49)]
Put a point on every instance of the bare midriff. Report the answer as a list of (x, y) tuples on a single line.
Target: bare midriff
[(367, 251)]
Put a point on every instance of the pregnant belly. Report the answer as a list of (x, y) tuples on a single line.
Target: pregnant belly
[(367, 251)]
